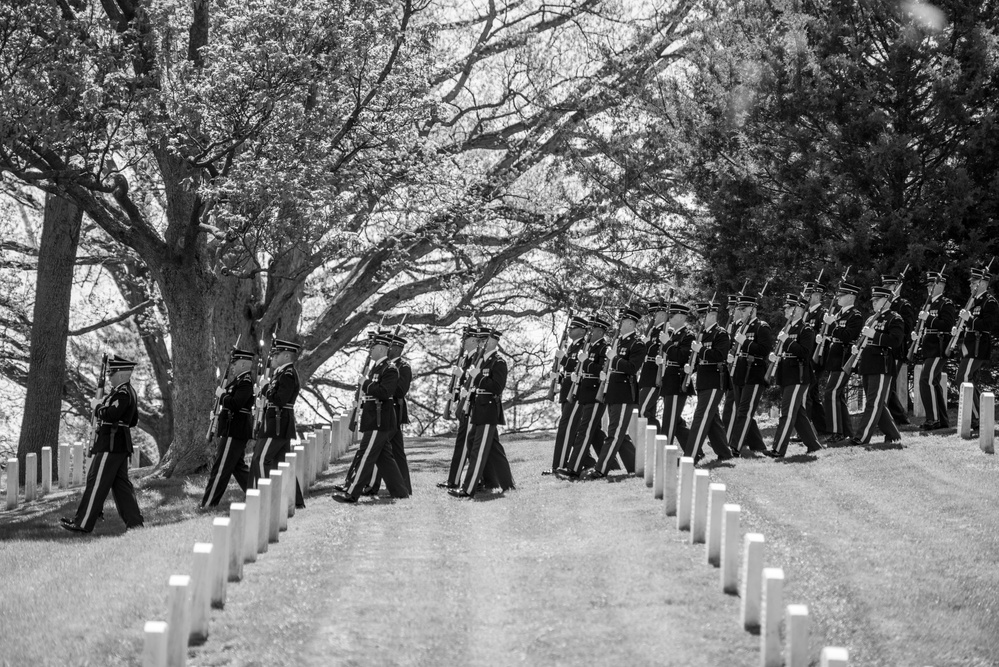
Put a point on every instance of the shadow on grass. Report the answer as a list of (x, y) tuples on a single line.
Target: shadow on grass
[(799, 458), (883, 446)]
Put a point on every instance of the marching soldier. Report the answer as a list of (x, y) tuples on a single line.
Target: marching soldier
[(755, 341), (378, 424), (235, 428), (589, 434), (621, 394), (488, 383), (898, 405), (118, 414), (882, 337), (274, 442), (979, 323), (711, 347), (470, 345), (650, 376), (815, 291), (729, 411), (796, 344), (939, 317), (568, 422), (848, 323), (676, 353)]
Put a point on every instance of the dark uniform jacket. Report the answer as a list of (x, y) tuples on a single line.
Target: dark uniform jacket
[(712, 366), (488, 387), (459, 386), (622, 385), (849, 322), (378, 397), (908, 314), (589, 382), (676, 353), (977, 336), (648, 376), (878, 355), (118, 413), (402, 389), (279, 411), (936, 332), (813, 317), (567, 366), (795, 363), (236, 409), (753, 357)]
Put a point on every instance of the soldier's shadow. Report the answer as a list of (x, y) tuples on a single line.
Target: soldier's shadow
[(800, 458)]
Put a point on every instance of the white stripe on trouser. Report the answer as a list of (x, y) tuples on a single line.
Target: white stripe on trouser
[(788, 417), (645, 404), (93, 490), (469, 432), (970, 363), (670, 414), (218, 472), (617, 434), (564, 445), (586, 441), (835, 404), (732, 418), (473, 479), (865, 434), (370, 435), (704, 424), (749, 415), (933, 383), (263, 456)]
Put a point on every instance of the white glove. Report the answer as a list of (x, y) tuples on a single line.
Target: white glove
[(853, 349), (819, 338), (581, 356), (782, 336), (740, 338), (867, 332), (913, 335), (964, 314), (603, 376), (773, 357), (663, 336), (94, 403), (575, 378), (731, 358), (953, 331), (687, 369), (659, 359), (695, 346), (463, 393), (559, 353), (361, 377), (455, 371), (828, 318), (923, 314), (219, 391)]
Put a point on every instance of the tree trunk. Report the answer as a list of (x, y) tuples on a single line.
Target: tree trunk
[(49, 331)]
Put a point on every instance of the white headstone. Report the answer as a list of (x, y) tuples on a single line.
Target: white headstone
[(987, 427), (65, 455), (46, 470), (251, 530), (276, 506), (291, 460), (965, 407), (237, 531), (77, 464), (300, 465), (30, 477), (772, 614), (201, 592), (154, 646), (796, 647), (658, 443), (287, 484), (178, 620), (752, 570), (917, 399), (730, 549), (264, 486), (699, 512), (13, 483), (220, 561), (834, 656), (670, 481), (640, 444), (685, 493), (902, 386), (716, 502)]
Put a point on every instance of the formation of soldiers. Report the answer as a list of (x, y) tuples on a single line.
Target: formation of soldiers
[(687, 352)]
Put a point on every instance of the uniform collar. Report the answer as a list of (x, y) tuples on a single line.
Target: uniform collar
[(281, 369), (814, 307), (846, 308), (629, 334)]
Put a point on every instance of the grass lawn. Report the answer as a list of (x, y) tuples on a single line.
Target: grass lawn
[(894, 552)]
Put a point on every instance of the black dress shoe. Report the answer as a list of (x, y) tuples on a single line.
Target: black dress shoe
[(67, 521), (300, 507), (342, 488), (369, 491), (73, 528), (834, 438), (458, 493), (772, 454), (446, 485), (724, 457), (594, 474), (812, 450), (931, 426), (340, 498), (565, 473), (890, 441)]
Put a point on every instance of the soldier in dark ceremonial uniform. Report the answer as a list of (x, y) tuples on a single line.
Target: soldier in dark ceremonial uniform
[(486, 451), (568, 422), (729, 411), (117, 415), (650, 376), (589, 434), (471, 341), (876, 366), (848, 323), (278, 424), (711, 346), (814, 291), (676, 353), (793, 357), (621, 395), (975, 344), (378, 424), (235, 428), (940, 317), (898, 405), (755, 342)]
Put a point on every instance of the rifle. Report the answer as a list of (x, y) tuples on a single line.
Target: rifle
[(963, 323), (921, 326), (742, 330), (477, 356), (688, 377), (98, 399), (213, 424), (560, 354), (772, 369), (864, 340), (579, 366), (455, 371), (827, 329), (263, 372), (602, 390), (352, 422), (661, 366)]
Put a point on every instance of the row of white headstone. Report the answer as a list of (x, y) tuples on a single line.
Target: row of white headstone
[(700, 508), (73, 465), (237, 540)]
